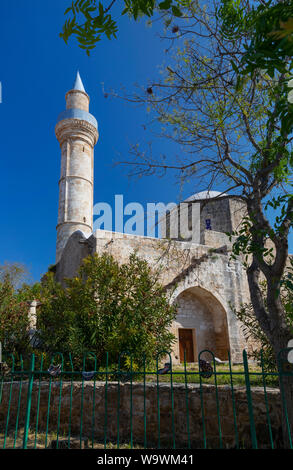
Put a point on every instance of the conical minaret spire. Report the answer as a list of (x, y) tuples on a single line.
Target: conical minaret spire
[(78, 85), (77, 133)]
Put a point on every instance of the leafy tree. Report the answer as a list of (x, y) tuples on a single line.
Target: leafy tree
[(233, 122), (224, 100), (268, 52), (263, 351), (15, 273), (110, 308), (14, 321), (90, 19), (270, 26)]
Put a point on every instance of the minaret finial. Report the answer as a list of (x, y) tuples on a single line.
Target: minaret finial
[(78, 85)]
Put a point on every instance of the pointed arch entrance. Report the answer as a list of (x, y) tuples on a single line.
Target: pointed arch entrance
[(201, 323)]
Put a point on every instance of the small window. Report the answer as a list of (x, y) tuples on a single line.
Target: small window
[(208, 224), (84, 219)]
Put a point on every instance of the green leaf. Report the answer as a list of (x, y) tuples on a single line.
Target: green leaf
[(234, 67), (176, 11), (165, 5)]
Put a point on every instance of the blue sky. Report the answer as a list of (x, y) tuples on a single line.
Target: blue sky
[(37, 68)]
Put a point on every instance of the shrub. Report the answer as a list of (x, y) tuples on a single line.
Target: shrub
[(107, 307), (14, 321)]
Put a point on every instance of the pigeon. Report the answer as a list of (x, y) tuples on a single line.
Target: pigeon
[(218, 360), (166, 369), (88, 375), (54, 371), (205, 369)]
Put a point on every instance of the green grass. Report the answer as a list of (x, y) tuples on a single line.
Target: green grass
[(52, 436), (222, 376)]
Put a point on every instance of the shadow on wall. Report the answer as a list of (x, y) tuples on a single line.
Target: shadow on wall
[(77, 248)]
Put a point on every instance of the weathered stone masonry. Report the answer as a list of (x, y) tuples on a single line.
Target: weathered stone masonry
[(208, 284), (165, 409), (76, 131)]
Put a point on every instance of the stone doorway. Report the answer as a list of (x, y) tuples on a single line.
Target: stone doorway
[(186, 344), (199, 312)]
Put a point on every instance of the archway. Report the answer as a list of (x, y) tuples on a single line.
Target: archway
[(201, 323)]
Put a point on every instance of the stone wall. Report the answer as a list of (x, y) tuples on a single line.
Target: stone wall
[(180, 414), (218, 279), (216, 239), (217, 212), (220, 215)]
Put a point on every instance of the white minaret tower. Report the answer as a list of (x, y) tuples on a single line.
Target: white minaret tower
[(77, 133)]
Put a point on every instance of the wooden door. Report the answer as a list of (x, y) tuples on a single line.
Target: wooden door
[(186, 343)]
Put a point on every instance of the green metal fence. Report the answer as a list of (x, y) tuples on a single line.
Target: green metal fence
[(50, 403)]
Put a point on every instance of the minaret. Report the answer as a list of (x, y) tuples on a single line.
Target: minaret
[(77, 133)]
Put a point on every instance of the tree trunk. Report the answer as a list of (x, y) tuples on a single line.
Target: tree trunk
[(286, 388), (272, 320)]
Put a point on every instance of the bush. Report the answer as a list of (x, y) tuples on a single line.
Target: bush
[(108, 307), (14, 306)]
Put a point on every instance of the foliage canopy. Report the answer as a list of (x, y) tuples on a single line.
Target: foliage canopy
[(89, 20), (107, 307)]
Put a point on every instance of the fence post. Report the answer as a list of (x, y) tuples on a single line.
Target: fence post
[(249, 402), (29, 401)]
